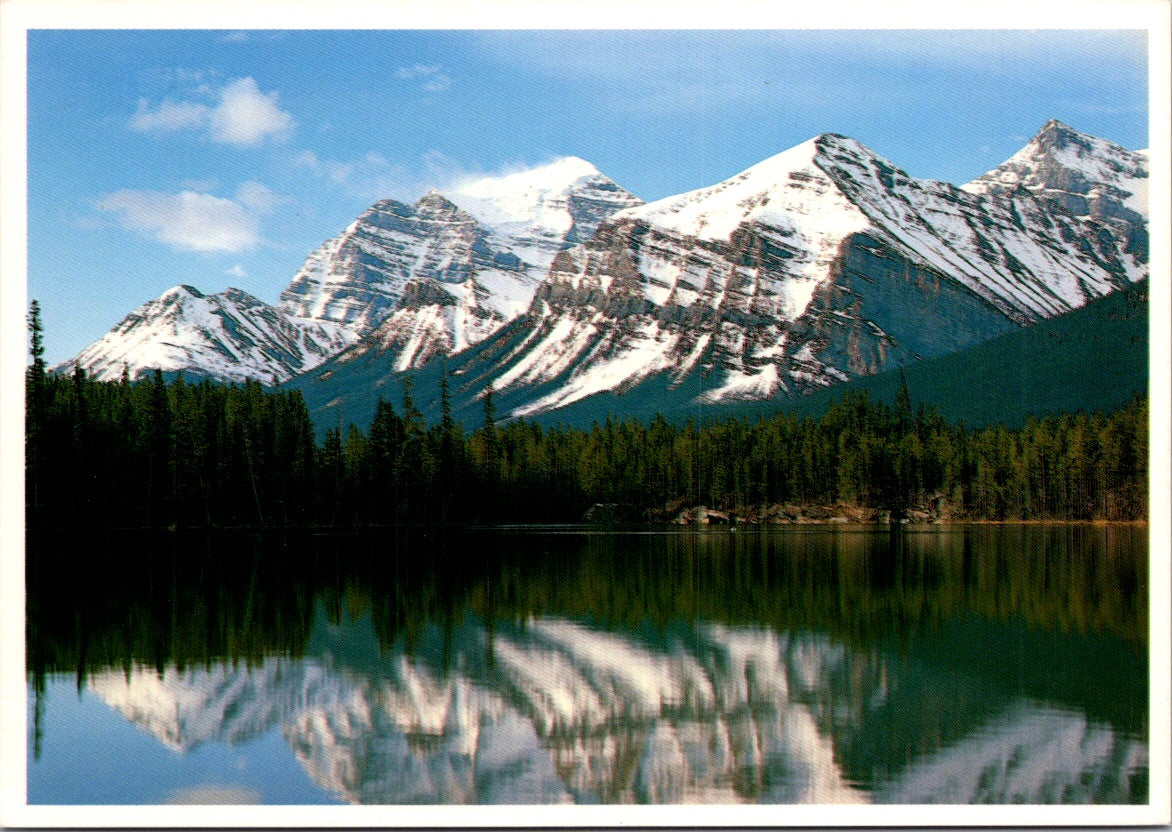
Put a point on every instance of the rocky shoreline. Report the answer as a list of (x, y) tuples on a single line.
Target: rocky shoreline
[(794, 514), (773, 514)]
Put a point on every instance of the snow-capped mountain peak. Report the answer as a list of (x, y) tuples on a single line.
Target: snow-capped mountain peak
[(531, 205), (781, 191), (231, 336), (450, 270), (1074, 169), (552, 177)]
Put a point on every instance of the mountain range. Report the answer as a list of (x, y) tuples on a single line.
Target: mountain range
[(819, 265)]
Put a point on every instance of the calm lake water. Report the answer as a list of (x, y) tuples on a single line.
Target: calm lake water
[(801, 665)]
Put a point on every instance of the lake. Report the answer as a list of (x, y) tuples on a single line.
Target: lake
[(835, 665)]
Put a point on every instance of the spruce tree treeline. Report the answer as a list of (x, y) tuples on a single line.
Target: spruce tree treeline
[(158, 453)]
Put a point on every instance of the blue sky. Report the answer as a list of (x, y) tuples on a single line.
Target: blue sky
[(223, 158)]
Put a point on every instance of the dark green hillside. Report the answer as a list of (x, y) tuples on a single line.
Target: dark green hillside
[(1093, 359)]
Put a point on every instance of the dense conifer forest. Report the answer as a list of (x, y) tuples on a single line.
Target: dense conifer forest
[(154, 453)]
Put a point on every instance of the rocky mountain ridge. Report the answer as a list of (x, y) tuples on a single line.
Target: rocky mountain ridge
[(821, 264), (1086, 176), (230, 336), (442, 274)]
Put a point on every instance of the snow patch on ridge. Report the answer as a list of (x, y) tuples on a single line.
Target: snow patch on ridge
[(788, 192), (647, 351)]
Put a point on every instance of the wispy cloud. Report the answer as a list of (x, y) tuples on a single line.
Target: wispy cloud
[(431, 78), (194, 221), (372, 177), (169, 116), (237, 271), (257, 197), (679, 71), (237, 114)]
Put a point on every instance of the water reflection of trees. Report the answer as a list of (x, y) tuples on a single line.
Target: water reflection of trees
[(158, 599)]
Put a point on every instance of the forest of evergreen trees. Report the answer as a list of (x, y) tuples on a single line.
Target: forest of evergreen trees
[(158, 453)]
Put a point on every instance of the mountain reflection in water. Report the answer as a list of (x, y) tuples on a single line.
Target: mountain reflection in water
[(963, 666)]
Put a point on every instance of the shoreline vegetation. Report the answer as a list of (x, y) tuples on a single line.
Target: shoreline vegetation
[(153, 453)]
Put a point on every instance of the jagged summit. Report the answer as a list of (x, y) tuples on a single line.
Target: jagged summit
[(180, 291), (433, 199), (550, 201), (1058, 127), (1084, 176)]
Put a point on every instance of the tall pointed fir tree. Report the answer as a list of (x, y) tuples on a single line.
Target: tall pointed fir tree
[(34, 412)]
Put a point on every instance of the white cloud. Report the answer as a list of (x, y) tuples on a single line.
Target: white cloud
[(246, 116), (240, 114), (237, 271), (189, 220), (432, 78)]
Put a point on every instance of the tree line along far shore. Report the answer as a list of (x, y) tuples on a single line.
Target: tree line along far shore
[(156, 453)]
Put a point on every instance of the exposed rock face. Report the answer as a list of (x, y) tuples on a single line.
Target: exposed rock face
[(1087, 177), (446, 272), (358, 279), (230, 336), (819, 264)]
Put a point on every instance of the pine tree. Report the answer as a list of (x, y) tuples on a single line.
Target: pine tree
[(490, 463), (34, 411), (36, 337), (447, 448)]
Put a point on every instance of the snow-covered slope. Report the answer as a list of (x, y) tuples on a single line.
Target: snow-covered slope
[(822, 263), (444, 273), (558, 711), (230, 336)]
